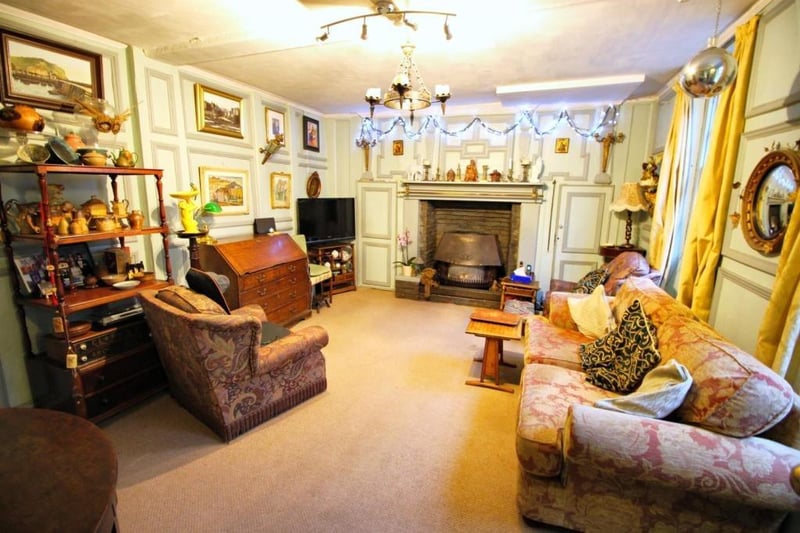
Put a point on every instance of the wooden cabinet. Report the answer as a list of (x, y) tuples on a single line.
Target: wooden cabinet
[(100, 372), (341, 258), (268, 270)]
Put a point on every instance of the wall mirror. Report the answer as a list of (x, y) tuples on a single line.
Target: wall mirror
[(768, 200)]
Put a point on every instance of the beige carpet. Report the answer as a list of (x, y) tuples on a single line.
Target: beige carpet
[(397, 443)]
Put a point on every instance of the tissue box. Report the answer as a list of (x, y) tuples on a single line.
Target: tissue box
[(520, 278)]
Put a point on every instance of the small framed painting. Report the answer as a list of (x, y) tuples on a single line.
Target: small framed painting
[(276, 124), (562, 145), (218, 112), (280, 192), (45, 74), (228, 187), (397, 147), (310, 134)]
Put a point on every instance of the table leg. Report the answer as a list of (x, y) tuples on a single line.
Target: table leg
[(500, 349), (490, 366)]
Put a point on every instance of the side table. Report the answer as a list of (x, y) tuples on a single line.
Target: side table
[(516, 289), (494, 333), (58, 472), (194, 248)]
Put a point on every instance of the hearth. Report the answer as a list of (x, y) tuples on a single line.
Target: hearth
[(468, 259)]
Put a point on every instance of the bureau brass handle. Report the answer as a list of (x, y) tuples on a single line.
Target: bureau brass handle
[(292, 268), (262, 292), (84, 358)]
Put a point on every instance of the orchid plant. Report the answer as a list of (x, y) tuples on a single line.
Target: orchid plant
[(403, 240)]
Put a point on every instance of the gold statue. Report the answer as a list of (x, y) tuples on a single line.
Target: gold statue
[(471, 173)]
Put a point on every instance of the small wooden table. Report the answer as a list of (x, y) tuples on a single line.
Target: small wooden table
[(58, 472), (518, 289), (494, 334)]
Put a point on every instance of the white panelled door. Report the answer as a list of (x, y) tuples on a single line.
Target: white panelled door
[(580, 226), (375, 228)]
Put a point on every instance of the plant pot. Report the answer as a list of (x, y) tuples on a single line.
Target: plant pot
[(408, 270)]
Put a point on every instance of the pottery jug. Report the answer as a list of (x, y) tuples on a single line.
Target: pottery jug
[(136, 219), (21, 117), (63, 226), (125, 158), (74, 140), (120, 208), (79, 226)]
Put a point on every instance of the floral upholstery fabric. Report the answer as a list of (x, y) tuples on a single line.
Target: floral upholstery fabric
[(189, 301), (549, 345), (219, 372), (548, 392), (733, 393), (657, 304)]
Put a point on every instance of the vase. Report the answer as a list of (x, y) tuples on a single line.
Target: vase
[(408, 270)]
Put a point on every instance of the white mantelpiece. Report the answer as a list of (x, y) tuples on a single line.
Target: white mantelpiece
[(481, 190)]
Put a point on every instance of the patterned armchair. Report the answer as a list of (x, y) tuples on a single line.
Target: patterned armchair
[(217, 366)]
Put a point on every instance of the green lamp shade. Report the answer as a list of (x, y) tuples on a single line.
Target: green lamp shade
[(212, 207)]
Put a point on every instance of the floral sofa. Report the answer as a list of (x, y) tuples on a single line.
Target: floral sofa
[(721, 462), (219, 369)]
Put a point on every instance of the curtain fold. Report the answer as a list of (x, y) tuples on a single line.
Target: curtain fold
[(710, 213)]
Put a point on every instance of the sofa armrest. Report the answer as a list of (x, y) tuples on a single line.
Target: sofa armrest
[(559, 309), (294, 346), (753, 471)]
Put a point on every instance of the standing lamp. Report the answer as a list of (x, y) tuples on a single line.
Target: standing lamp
[(630, 199)]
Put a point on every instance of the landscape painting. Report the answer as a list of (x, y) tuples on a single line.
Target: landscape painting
[(218, 112), (46, 74), (228, 187)]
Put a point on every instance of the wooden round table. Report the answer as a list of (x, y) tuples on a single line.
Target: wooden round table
[(58, 472)]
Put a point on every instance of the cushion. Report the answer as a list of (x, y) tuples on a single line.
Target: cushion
[(206, 283), (662, 391), (592, 315), (619, 361), (189, 301), (733, 393), (591, 280)]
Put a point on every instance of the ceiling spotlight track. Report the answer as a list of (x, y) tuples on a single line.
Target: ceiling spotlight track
[(387, 10)]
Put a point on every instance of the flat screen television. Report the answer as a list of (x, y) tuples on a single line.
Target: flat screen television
[(324, 220)]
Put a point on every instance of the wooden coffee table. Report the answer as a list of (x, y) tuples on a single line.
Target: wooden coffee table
[(506, 327)]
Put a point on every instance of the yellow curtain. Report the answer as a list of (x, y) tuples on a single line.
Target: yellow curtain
[(666, 202), (710, 213), (778, 333)]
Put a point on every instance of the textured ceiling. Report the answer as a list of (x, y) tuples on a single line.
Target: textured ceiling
[(271, 45)]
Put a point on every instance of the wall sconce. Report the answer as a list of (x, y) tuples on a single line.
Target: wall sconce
[(272, 146), (606, 140)]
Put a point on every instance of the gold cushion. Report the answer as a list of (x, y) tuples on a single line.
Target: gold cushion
[(189, 301)]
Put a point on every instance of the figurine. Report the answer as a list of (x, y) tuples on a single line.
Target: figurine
[(472, 171)]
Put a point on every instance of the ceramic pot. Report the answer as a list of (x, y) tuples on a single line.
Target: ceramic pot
[(125, 158), (21, 117), (94, 208), (408, 270), (120, 208), (94, 159), (74, 140), (136, 219)]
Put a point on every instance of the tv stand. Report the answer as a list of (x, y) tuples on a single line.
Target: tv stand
[(340, 256)]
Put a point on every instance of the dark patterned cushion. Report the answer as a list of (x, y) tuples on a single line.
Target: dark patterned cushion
[(619, 361), (591, 280)]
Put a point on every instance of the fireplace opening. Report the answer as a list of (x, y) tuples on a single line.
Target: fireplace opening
[(468, 259)]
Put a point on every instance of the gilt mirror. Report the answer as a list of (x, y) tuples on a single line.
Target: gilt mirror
[(768, 200)]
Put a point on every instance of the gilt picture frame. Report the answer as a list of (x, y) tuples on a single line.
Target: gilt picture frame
[(310, 134), (275, 124), (68, 73), (280, 190), (228, 187), (562, 145), (218, 112)]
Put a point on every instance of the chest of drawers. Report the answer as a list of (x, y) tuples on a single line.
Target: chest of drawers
[(268, 270)]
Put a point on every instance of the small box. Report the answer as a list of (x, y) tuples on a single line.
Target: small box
[(117, 259)]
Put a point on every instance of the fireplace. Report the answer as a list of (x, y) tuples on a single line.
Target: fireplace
[(468, 259)]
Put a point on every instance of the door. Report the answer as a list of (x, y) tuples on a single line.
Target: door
[(581, 223)]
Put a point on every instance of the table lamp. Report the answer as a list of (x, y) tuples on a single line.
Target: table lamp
[(630, 199)]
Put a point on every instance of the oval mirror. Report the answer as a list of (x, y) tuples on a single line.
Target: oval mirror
[(768, 200)]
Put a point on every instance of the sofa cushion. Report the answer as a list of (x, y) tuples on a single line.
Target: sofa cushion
[(189, 301), (733, 393), (591, 280), (550, 345), (592, 315), (662, 391), (547, 393), (624, 266), (619, 361)]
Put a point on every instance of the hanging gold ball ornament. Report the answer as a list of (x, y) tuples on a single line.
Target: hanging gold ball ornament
[(708, 73)]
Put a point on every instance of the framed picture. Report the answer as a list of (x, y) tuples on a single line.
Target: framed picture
[(229, 187), (218, 112), (276, 124), (280, 190), (397, 147), (562, 145), (310, 134), (74, 264), (32, 271), (45, 74)]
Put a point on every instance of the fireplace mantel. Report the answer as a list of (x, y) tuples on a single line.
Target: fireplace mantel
[(482, 190)]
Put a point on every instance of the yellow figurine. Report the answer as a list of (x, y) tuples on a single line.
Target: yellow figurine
[(187, 208)]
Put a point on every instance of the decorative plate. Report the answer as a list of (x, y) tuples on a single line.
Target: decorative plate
[(131, 283), (63, 151), (313, 185)]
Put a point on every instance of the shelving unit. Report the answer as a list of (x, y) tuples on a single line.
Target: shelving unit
[(99, 373), (341, 258)]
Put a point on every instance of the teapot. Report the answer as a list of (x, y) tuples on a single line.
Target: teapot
[(120, 208), (125, 158)]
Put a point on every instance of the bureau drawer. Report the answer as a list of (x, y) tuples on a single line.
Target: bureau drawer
[(291, 283), (271, 300), (262, 277), (96, 377), (289, 312)]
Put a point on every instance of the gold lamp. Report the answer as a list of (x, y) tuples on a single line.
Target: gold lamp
[(630, 199), (272, 146)]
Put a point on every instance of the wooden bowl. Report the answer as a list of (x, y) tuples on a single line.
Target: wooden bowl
[(111, 279), (76, 329)]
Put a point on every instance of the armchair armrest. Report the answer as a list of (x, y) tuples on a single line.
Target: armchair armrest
[(559, 309), (253, 310), (753, 470), (296, 345)]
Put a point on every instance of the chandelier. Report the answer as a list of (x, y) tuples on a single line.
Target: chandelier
[(405, 94)]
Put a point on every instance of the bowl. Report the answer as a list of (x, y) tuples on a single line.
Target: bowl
[(63, 152), (94, 159), (33, 153), (129, 284), (111, 279), (76, 329)]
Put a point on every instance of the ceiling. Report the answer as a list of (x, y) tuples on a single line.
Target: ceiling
[(561, 52)]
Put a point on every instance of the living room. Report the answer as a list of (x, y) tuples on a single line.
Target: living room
[(163, 130)]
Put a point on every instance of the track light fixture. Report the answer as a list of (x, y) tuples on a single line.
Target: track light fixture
[(388, 11)]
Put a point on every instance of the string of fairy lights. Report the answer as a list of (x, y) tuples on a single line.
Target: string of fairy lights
[(370, 135)]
